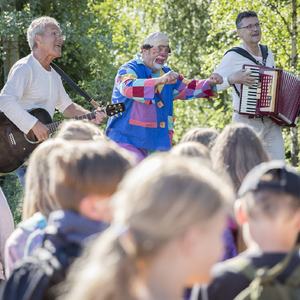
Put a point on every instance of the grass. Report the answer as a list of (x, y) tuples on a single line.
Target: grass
[(14, 194)]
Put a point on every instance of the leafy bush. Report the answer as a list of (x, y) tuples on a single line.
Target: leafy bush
[(14, 194)]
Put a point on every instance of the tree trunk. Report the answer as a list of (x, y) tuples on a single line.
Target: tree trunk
[(10, 46), (11, 55)]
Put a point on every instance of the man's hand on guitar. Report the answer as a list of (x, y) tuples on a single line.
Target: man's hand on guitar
[(40, 131), (99, 116)]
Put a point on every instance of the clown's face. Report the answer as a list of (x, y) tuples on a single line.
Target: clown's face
[(156, 56)]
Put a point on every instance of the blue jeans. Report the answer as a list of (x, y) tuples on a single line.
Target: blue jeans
[(21, 172)]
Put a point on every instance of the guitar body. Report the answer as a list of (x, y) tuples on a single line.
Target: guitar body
[(14, 144)]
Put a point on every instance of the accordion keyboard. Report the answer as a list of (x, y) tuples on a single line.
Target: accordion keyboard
[(250, 94), (275, 94)]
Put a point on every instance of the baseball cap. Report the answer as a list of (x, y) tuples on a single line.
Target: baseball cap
[(156, 39), (273, 176)]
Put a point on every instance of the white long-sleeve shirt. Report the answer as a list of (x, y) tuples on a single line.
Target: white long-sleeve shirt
[(233, 62), (30, 86)]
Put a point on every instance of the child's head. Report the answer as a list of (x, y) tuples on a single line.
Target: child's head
[(192, 149), (205, 136), (78, 130), (164, 205), (270, 195), (236, 151), (84, 169), (36, 195)]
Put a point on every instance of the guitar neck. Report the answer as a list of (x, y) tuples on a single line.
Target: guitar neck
[(54, 126)]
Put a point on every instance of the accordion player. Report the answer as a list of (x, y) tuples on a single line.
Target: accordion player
[(275, 94)]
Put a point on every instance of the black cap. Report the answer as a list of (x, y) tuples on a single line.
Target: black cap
[(273, 176)]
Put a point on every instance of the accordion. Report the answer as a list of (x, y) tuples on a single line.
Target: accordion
[(275, 94)]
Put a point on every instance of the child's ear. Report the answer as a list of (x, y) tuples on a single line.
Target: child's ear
[(240, 213)]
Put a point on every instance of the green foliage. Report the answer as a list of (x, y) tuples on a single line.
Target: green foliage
[(275, 17), (187, 26), (103, 34), (201, 113), (14, 193)]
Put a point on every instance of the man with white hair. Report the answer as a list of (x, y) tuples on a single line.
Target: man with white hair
[(33, 83), (148, 87)]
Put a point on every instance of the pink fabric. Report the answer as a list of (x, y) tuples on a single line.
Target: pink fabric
[(139, 154), (6, 228)]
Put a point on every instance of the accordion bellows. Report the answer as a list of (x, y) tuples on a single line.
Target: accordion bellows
[(275, 94)]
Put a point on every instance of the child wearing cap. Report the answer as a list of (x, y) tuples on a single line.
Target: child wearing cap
[(268, 209)]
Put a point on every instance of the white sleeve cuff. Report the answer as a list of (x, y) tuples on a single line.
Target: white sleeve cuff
[(25, 124), (224, 85)]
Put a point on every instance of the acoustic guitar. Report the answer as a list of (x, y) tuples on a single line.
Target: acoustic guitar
[(16, 146)]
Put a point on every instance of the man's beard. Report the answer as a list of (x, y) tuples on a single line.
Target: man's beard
[(157, 66)]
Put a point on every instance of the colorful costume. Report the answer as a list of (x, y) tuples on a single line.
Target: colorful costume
[(147, 122)]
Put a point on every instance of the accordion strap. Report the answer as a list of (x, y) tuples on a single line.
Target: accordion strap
[(246, 54)]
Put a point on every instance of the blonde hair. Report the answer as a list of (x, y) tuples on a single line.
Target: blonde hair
[(192, 149), (205, 136), (36, 195), (79, 130), (236, 151), (81, 168), (157, 202)]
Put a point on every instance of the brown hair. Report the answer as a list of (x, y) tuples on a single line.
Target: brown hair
[(244, 14), (270, 203), (158, 201), (82, 168), (237, 150), (36, 195)]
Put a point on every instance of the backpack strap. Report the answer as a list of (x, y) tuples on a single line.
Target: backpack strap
[(27, 281), (241, 265), (294, 278), (270, 274)]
